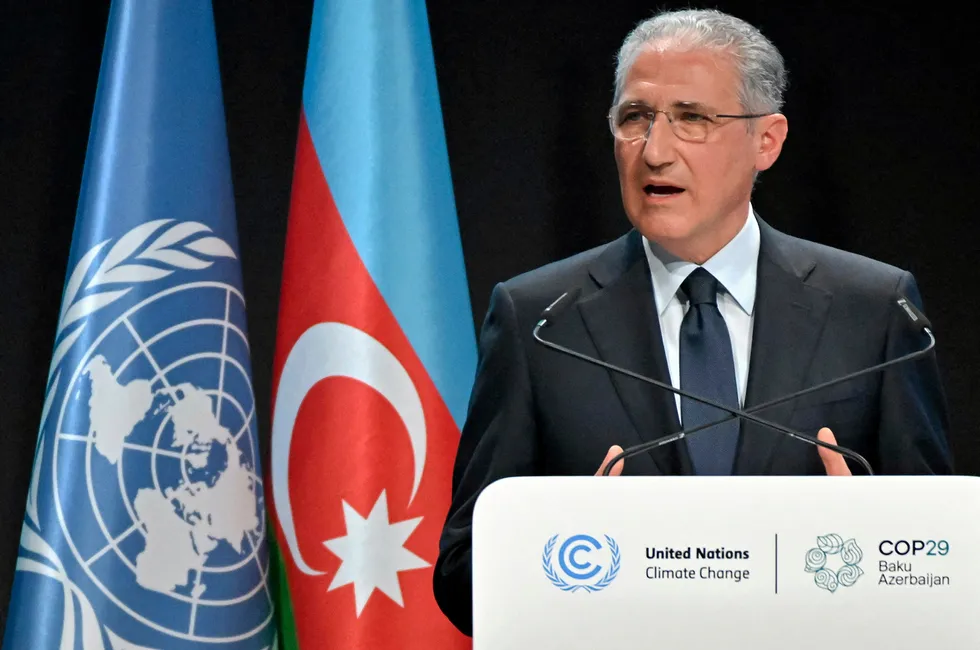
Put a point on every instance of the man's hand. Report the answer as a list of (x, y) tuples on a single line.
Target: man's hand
[(832, 461), (617, 469)]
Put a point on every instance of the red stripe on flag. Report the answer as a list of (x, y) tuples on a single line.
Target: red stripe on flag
[(349, 443)]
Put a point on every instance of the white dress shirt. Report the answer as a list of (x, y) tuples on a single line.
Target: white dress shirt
[(735, 267)]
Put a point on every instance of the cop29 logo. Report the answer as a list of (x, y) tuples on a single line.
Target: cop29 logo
[(583, 562), (828, 548)]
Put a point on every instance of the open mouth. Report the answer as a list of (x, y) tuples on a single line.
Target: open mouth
[(653, 189)]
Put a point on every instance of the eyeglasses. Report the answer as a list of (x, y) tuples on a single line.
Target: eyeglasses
[(633, 121)]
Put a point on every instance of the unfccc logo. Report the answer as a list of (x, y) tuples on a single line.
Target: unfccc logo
[(583, 562)]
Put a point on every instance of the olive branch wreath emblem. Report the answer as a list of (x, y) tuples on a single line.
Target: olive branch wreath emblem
[(561, 583), (146, 253)]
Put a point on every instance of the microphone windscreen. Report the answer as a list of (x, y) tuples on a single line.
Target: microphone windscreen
[(552, 311), (919, 320)]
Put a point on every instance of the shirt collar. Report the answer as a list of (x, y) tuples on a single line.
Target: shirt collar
[(735, 266)]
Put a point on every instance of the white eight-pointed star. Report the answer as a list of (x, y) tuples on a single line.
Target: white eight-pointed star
[(373, 553)]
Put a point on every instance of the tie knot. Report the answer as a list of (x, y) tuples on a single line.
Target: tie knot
[(700, 287)]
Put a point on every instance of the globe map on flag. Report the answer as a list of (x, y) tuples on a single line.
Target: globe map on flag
[(176, 455)]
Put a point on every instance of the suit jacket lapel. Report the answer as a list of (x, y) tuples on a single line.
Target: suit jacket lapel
[(622, 321), (789, 317)]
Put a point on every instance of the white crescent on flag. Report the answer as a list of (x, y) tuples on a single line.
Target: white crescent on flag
[(337, 350)]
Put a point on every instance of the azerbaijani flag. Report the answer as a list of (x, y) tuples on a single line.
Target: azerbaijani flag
[(376, 349)]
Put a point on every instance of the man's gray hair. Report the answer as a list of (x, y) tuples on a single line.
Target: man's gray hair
[(759, 64)]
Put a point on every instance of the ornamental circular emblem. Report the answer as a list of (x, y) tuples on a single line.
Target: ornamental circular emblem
[(583, 562), (832, 551), (177, 457), (154, 469)]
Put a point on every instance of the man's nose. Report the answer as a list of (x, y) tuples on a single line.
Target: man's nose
[(659, 148)]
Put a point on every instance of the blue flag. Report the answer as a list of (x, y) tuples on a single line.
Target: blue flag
[(145, 520)]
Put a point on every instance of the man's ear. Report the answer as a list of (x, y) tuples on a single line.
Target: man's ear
[(770, 137)]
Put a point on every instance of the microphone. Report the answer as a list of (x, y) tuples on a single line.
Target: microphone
[(552, 311), (919, 320), (919, 323), (559, 305)]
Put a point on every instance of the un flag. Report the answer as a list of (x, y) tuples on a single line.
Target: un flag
[(145, 521)]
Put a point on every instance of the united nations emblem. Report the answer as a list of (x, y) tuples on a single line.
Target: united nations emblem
[(147, 500), (583, 562)]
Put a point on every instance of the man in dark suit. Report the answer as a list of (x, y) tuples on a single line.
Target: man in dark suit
[(703, 294)]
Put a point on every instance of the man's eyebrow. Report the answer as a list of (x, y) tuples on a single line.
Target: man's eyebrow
[(680, 104), (697, 106)]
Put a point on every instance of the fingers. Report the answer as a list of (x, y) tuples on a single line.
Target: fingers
[(833, 462), (617, 469)]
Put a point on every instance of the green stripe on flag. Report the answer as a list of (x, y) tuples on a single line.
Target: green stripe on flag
[(284, 604)]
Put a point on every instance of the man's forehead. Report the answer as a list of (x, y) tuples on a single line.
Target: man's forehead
[(680, 74)]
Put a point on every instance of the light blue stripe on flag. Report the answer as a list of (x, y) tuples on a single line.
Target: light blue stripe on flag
[(372, 104)]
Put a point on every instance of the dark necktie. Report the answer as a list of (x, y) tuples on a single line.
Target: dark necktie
[(707, 370)]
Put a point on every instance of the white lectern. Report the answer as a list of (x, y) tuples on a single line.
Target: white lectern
[(761, 563)]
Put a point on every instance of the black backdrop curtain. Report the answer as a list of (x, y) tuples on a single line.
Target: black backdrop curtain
[(881, 160)]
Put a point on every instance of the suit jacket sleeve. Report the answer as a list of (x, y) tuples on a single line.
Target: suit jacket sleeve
[(913, 414), (498, 440)]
